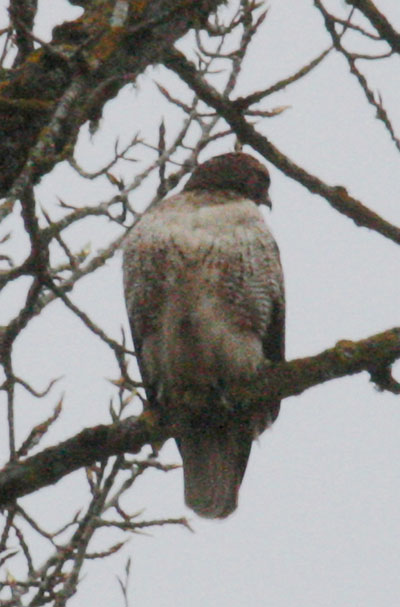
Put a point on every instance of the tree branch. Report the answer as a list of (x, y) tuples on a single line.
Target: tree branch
[(87, 447), (95, 52), (22, 16), (337, 196), (351, 59), (374, 355), (379, 21)]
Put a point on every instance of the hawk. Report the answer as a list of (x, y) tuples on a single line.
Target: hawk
[(205, 300)]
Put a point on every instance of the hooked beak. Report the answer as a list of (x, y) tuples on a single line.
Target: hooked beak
[(267, 201)]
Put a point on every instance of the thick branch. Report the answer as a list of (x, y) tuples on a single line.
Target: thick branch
[(22, 14), (337, 196), (87, 447), (374, 355), (379, 21), (110, 40)]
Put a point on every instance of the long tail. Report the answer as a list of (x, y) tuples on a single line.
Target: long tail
[(214, 462)]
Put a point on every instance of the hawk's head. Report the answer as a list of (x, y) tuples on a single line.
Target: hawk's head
[(237, 172)]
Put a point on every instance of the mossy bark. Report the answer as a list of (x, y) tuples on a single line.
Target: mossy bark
[(110, 39)]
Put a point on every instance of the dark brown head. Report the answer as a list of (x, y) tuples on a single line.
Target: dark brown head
[(236, 172)]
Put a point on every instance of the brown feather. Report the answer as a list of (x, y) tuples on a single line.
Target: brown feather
[(205, 299), (214, 462)]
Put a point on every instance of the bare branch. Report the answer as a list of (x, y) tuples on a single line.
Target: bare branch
[(379, 21), (351, 59), (374, 355), (337, 196), (243, 103), (93, 51)]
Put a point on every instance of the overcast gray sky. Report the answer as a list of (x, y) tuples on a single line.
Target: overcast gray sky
[(318, 520)]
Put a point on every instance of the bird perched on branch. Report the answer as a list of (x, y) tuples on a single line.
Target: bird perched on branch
[(205, 300)]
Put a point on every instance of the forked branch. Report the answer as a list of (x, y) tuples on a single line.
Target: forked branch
[(374, 355)]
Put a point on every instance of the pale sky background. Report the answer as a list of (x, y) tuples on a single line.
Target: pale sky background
[(318, 520)]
